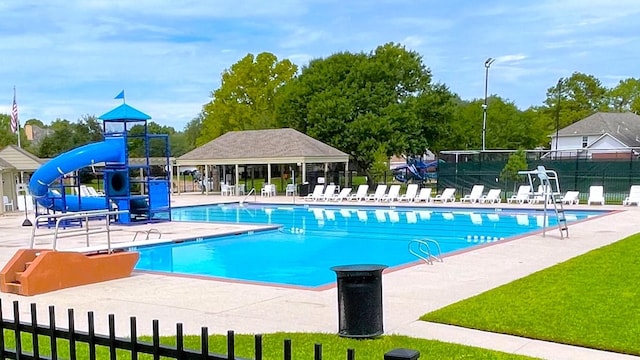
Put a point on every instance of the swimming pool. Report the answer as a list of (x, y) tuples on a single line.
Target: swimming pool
[(312, 238)]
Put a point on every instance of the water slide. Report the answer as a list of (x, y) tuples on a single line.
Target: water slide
[(109, 150)]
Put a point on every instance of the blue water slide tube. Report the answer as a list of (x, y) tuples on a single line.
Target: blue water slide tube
[(109, 150)]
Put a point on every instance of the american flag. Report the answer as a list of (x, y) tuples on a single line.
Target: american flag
[(14, 114)]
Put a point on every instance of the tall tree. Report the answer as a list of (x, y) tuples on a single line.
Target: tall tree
[(245, 99), (578, 96), (625, 96), (361, 103)]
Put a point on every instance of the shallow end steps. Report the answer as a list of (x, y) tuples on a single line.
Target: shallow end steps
[(54, 270)]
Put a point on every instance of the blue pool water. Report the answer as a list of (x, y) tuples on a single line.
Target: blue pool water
[(312, 238)]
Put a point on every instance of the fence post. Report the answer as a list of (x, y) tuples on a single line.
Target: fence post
[(402, 354)]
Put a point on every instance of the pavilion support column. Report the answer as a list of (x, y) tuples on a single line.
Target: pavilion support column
[(304, 172), (326, 170), (1, 191), (178, 184), (269, 173), (346, 173), (205, 179), (237, 178)]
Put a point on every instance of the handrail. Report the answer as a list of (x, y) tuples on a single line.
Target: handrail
[(252, 191), (424, 251), (77, 215), (148, 232)]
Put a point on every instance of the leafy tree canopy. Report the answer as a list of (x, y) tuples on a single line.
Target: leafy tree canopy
[(245, 100)]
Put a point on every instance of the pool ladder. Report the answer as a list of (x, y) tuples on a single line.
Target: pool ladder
[(147, 233), (421, 248)]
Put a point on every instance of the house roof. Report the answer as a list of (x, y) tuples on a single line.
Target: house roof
[(262, 146), (124, 112), (20, 159), (624, 127)]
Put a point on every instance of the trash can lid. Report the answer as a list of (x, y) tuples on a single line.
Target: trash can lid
[(359, 267)]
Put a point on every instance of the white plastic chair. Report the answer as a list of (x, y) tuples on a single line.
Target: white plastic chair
[(290, 190), (521, 196), (493, 197), (571, 197), (7, 204), (381, 189)]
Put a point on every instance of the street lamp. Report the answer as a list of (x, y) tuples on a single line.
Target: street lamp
[(558, 90), (487, 64)]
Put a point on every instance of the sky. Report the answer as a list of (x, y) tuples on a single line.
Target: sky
[(71, 58)]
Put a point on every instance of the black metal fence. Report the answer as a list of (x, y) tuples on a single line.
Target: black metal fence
[(462, 171), (132, 346)]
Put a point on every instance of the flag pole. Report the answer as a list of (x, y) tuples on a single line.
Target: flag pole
[(14, 116)]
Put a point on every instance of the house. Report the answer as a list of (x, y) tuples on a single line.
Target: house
[(603, 135)]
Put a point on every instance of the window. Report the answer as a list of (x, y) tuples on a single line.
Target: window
[(585, 141)]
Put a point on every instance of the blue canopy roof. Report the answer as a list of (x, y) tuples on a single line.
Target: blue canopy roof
[(125, 112)]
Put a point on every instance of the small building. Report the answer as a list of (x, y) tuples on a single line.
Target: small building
[(16, 165), (603, 135)]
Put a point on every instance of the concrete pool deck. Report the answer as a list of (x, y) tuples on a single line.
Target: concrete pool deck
[(248, 308)]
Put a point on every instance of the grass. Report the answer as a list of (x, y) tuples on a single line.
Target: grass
[(592, 301), (333, 347)]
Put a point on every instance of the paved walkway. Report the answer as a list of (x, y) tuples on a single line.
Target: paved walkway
[(250, 308)]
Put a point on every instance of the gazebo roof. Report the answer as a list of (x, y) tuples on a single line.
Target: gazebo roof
[(263, 146), (124, 112)]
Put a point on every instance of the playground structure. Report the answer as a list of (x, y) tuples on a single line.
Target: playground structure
[(127, 186), (131, 195), (416, 171)]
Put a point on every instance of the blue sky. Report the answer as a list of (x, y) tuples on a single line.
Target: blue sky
[(70, 58)]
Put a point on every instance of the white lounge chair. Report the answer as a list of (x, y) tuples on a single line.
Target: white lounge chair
[(424, 195), (596, 195), (410, 195), (342, 195), (448, 195), (475, 195), (634, 196), (7, 204), (329, 192), (571, 198), (318, 190), (360, 194), (393, 195), (493, 197), (381, 189), (521, 196)]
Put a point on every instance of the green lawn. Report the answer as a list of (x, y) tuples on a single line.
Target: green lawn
[(333, 347), (592, 301)]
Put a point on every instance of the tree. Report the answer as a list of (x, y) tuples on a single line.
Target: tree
[(579, 96), (517, 162), (625, 96), (192, 131), (366, 103), (245, 99)]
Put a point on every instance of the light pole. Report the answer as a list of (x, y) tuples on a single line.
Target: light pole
[(558, 90), (487, 64)]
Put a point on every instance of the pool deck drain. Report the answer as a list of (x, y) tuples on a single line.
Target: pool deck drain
[(246, 308)]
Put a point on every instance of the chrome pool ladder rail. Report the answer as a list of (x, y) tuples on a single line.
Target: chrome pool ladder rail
[(421, 249), (147, 233), (252, 191)]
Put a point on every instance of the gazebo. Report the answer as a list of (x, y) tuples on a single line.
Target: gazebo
[(266, 147)]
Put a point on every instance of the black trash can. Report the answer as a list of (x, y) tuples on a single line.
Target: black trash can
[(359, 300), (303, 189)]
